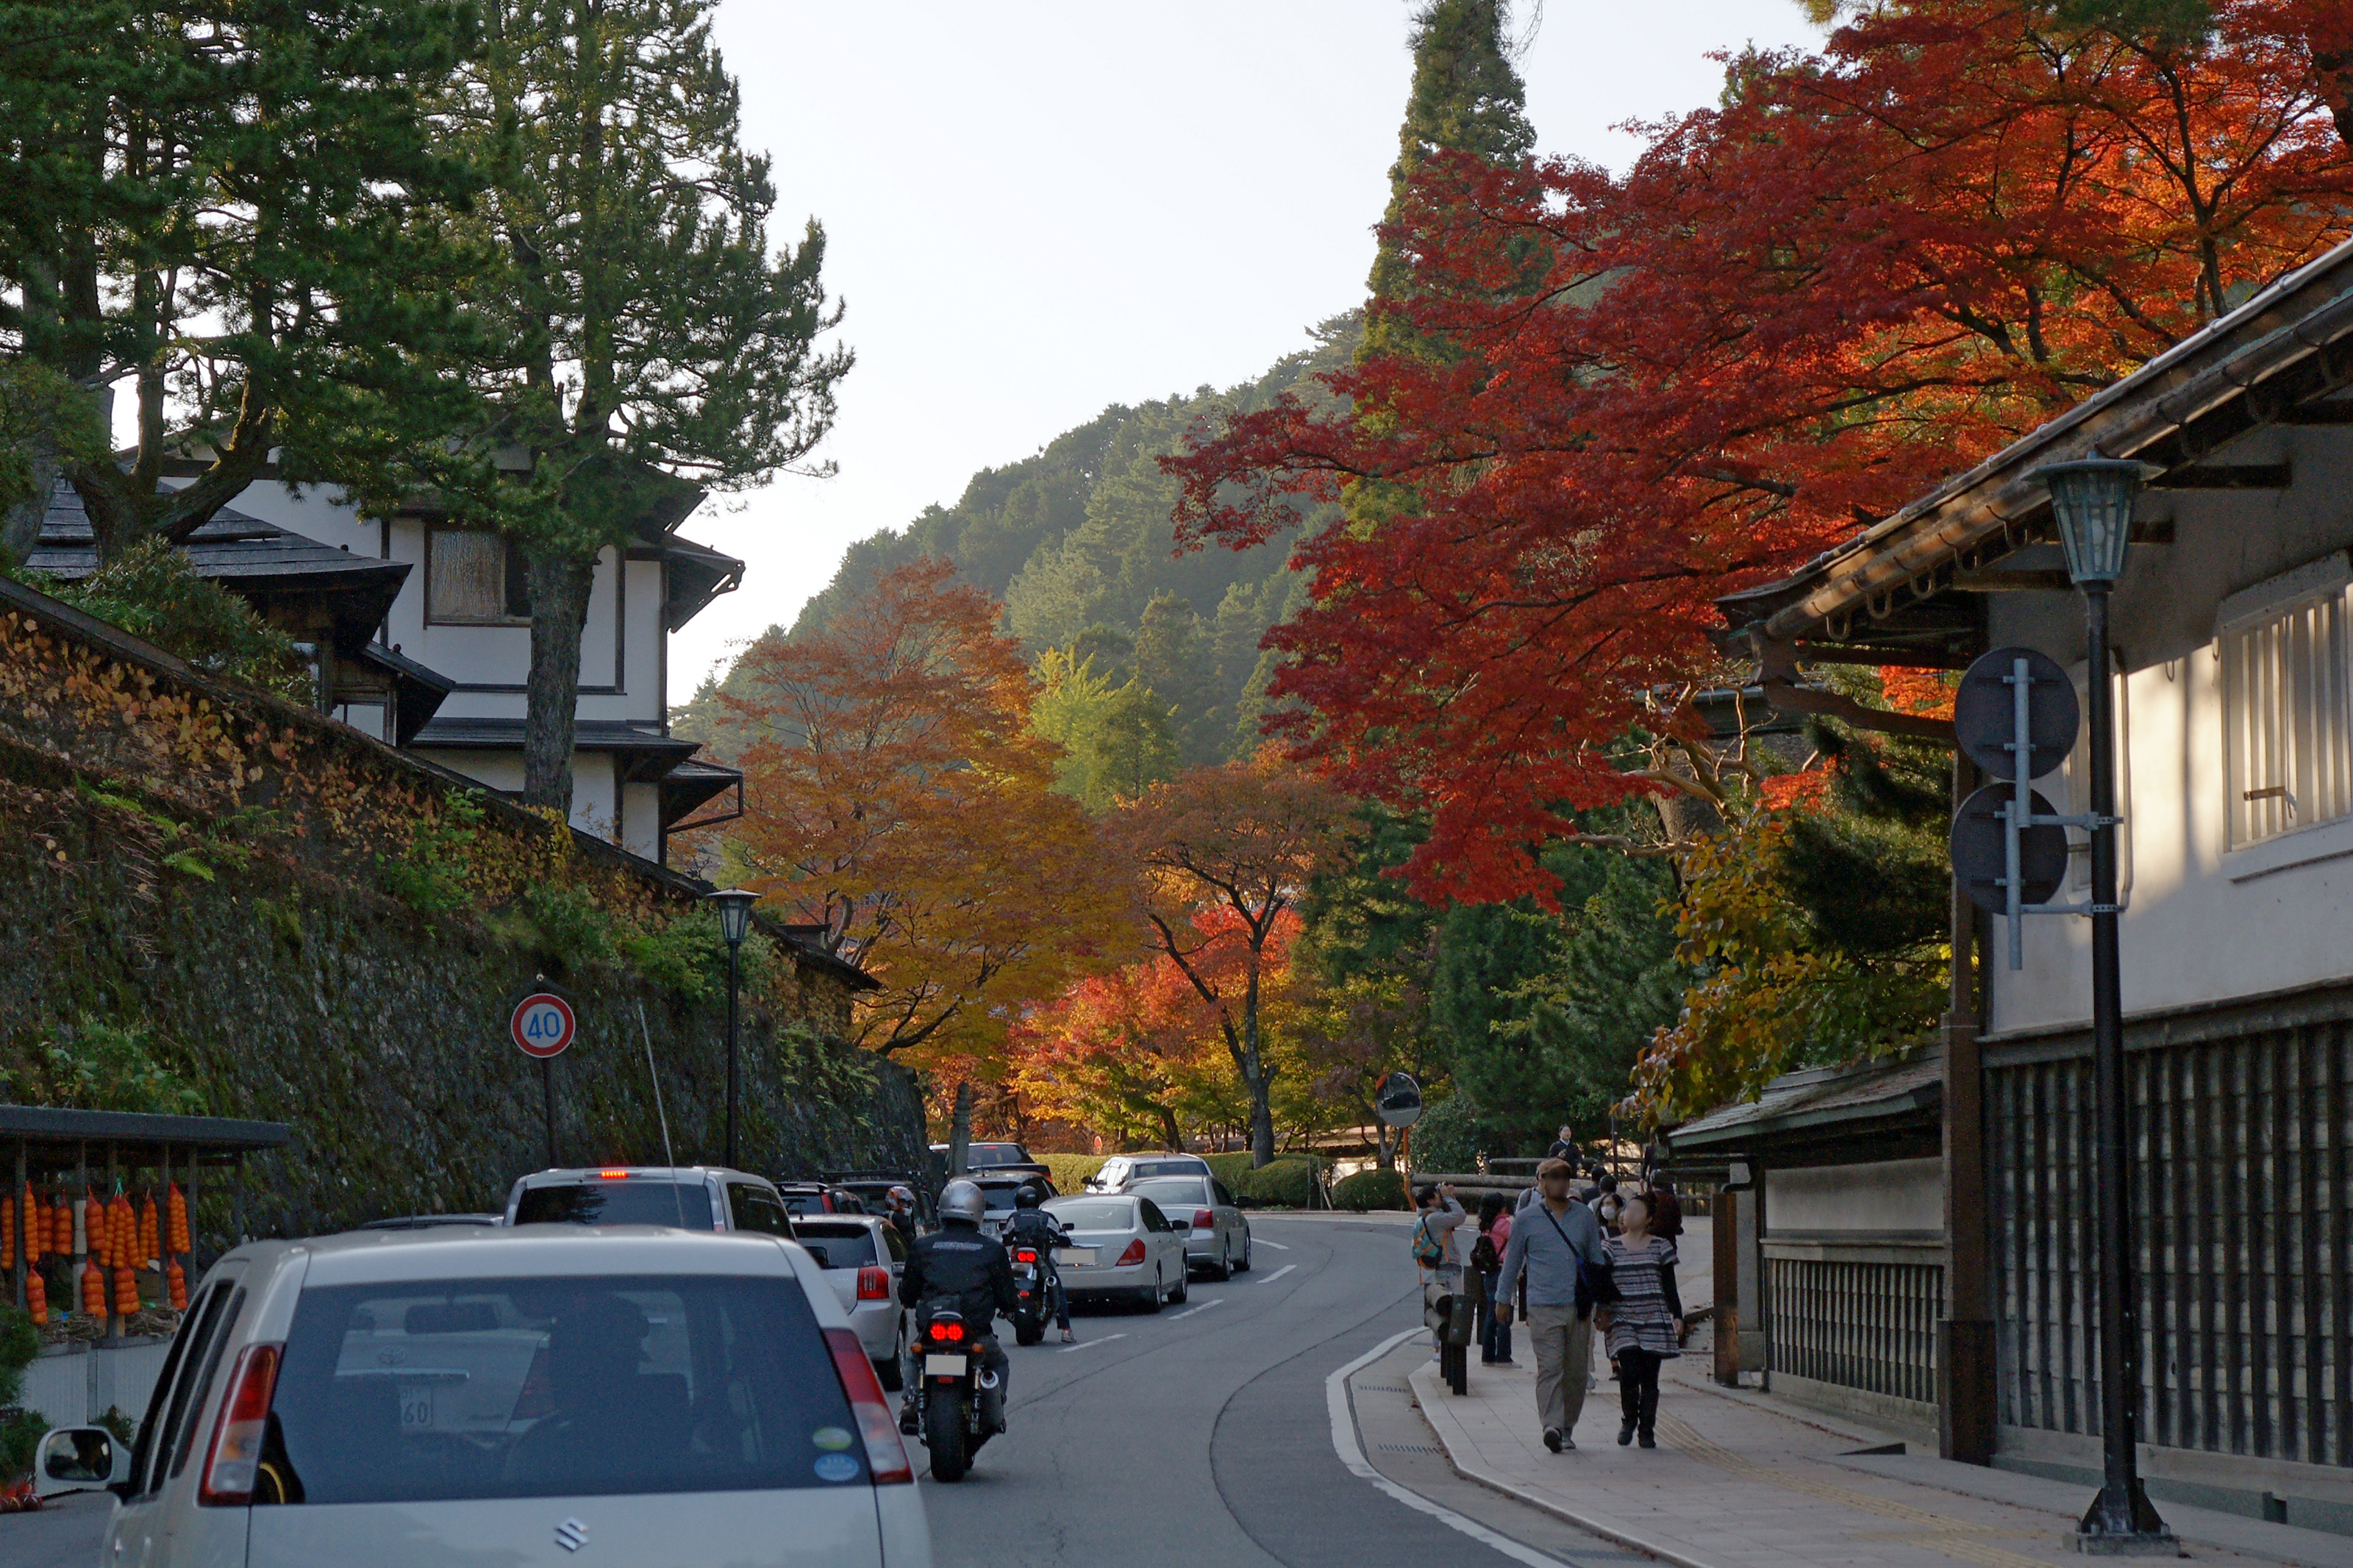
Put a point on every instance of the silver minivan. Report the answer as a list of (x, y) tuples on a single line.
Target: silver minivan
[(548, 1395)]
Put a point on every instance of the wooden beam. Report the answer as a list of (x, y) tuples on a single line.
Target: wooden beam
[(2226, 476)]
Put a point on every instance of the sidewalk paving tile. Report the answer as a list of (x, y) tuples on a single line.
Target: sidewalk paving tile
[(1734, 1483)]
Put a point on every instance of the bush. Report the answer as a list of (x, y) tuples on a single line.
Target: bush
[(1370, 1190), (1072, 1171), (20, 1430), (1287, 1182), (152, 591), (1447, 1136)]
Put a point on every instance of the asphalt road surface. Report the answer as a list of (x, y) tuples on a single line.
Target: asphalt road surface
[(1204, 1434)]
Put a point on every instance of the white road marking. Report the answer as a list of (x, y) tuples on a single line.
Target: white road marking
[(1202, 1308), (1264, 1242), (1343, 1442), (1278, 1274), (1090, 1345)]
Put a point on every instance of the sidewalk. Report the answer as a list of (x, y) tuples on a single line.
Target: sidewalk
[(1734, 1483)]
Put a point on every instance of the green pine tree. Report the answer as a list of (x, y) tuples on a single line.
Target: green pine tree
[(651, 334), (231, 204)]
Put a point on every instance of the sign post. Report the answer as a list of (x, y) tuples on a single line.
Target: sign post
[(542, 1023)]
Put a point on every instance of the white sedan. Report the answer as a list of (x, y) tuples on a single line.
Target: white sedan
[(1121, 1247)]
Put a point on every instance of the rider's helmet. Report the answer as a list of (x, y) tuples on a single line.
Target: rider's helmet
[(961, 1203), (903, 1197), (1026, 1198)]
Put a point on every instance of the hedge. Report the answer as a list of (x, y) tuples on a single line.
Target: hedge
[(1288, 1183), (1374, 1189), (1072, 1171)]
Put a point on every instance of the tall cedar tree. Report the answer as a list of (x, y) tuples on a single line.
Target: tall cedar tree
[(1863, 271), (897, 800), (231, 203), (1241, 841), (651, 333)]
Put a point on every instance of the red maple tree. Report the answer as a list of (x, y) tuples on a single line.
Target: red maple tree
[(1863, 271)]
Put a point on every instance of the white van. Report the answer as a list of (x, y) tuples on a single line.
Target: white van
[(396, 1398)]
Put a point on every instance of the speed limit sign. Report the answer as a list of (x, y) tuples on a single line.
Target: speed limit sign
[(543, 1025)]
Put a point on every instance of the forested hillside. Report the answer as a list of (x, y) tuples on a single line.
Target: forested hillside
[(1150, 659)]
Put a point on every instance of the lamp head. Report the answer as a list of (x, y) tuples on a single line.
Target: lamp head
[(2093, 500), (734, 913)]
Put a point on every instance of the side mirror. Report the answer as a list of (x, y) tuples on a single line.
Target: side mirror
[(83, 1456)]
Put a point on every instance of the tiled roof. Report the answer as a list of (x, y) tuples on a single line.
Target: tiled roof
[(1818, 1101), (231, 548)]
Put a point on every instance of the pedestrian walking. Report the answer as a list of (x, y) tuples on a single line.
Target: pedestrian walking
[(1556, 1242), (1436, 1254), (1645, 1324), (1666, 1212), (1487, 1258), (1564, 1147)]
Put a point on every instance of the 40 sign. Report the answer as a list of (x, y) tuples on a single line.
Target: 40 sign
[(543, 1024)]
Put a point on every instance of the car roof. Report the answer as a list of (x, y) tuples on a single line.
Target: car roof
[(387, 1256), (673, 1173)]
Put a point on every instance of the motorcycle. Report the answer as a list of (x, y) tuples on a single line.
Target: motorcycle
[(948, 1395), (1034, 1284)]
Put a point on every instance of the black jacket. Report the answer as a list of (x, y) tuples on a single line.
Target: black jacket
[(957, 1261), (1037, 1228)]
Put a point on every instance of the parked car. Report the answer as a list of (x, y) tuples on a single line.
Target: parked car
[(395, 1399), (1218, 1236), (1121, 1247), (997, 1195), (862, 1257), (994, 1159), (1121, 1168), (819, 1198), (687, 1198)]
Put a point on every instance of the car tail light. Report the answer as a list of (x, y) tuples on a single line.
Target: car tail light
[(886, 1456), (874, 1284), (234, 1459), (620, 1176), (1134, 1254), (1204, 1220)]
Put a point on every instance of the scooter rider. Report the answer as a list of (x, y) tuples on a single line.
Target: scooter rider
[(1035, 1226), (969, 1267)]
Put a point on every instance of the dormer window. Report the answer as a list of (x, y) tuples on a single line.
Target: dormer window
[(475, 578)]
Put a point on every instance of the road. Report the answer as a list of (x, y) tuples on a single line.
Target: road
[(1205, 1434)]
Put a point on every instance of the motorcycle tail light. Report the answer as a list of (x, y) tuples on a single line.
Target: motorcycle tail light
[(1134, 1253), (947, 1331), (874, 1284), (886, 1456), (235, 1457), (1204, 1220), (1025, 1256)]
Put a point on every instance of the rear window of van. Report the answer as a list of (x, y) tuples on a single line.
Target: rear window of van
[(590, 1385), (619, 1202)]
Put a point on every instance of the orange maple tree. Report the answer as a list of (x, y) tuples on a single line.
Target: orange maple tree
[(898, 806), (1861, 272), (1226, 854)]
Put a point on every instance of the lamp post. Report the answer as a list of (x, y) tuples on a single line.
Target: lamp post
[(734, 923), (2093, 500)]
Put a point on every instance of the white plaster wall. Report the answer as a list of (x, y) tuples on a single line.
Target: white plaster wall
[(1891, 1195), (641, 698), (2201, 923), (641, 820)]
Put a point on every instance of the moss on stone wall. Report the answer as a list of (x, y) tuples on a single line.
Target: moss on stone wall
[(224, 907)]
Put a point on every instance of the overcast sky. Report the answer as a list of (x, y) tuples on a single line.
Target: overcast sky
[(1036, 207)]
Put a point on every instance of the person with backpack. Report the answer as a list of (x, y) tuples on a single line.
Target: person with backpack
[(1557, 1244), (1487, 1258), (1434, 1254)]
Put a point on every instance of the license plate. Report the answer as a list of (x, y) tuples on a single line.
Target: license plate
[(943, 1367), (1074, 1257), (415, 1406)]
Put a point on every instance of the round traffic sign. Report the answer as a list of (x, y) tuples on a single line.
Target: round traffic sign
[(1400, 1100), (1985, 713), (543, 1025), (1981, 859)]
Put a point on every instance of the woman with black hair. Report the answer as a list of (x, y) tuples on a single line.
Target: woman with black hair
[(1645, 1324)]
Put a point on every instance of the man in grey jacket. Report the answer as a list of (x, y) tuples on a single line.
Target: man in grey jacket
[(1548, 1237)]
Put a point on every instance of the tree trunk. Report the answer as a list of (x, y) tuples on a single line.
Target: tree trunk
[(1169, 1130), (559, 609), (20, 529), (960, 1131)]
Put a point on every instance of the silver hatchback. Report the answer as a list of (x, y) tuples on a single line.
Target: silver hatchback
[(511, 1395)]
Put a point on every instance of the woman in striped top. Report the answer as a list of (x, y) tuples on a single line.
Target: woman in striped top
[(1645, 1324)]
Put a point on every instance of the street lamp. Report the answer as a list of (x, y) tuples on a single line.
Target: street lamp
[(2093, 500), (734, 923)]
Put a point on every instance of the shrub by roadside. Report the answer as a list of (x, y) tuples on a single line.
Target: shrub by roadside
[(1370, 1190), (1072, 1171), (1288, 1182)]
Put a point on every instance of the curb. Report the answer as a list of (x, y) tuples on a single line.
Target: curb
[(1430, 1398)]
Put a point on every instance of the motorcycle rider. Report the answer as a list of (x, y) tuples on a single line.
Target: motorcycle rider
[(1035, 1226), (968, 1267)]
